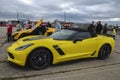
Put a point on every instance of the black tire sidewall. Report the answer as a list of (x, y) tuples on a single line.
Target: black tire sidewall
[(100, 54), (33, 53)]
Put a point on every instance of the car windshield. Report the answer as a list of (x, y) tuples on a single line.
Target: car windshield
[(63, 34)]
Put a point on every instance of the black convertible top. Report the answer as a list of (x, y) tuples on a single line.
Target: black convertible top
[(78, 29), (83, 30)]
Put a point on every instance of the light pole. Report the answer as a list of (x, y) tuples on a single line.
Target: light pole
[(64, 16), (17, 15)]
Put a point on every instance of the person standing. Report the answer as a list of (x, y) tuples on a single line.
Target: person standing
[(114, 32), (28, 25), (49, 24), (18, 26), (99, 27), (91, 28), (57, 25), (9, 32), (105, 29)]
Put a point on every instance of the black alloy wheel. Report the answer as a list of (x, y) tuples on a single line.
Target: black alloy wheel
[(40, 58), (104, 52)]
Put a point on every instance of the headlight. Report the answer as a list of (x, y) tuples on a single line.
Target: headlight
[(24, 46)]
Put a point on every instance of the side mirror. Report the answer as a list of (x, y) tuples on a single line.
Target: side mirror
[(74, 41)]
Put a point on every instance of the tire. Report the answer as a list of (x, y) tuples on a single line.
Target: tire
[(40, 58), (104, 52)]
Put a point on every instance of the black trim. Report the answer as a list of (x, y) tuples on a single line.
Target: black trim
[(93, 53), (59, 50), (11, 55)]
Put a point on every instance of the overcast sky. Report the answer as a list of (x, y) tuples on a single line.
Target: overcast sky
[(75, 10)]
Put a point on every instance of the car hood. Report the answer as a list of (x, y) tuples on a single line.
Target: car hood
[(35, 38)]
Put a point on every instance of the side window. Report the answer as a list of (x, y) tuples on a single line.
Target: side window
[(82, 35)]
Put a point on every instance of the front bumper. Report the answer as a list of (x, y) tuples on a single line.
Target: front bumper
[(17, 57)]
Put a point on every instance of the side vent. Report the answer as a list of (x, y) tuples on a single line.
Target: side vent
[(93, 53), (59, 50)]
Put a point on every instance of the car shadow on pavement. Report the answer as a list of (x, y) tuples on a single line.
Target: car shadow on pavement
[(18, 67), (72, 62)]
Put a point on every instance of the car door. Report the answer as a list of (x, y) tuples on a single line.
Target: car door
[(81, 45)]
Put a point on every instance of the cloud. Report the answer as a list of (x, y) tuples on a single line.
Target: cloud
[(27, 2), (76, 11)]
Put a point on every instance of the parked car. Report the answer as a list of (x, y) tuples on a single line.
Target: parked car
[(38, 30), (68, 44)]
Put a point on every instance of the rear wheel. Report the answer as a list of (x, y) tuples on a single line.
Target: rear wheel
[(104, 52), (40, 58)]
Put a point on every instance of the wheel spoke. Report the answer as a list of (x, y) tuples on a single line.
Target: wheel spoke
[(40, 59), (35, 60)]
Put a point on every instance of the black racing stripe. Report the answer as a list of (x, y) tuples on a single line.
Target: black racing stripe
[(59, 50)]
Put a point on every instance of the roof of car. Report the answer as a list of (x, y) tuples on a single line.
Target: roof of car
[(83, 30), (78, 29)]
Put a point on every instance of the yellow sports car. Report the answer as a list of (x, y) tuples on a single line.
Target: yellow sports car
[(68, 44), (38, 30)]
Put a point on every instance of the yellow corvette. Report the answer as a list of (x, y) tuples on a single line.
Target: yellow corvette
[(68, 44), (33, 31)]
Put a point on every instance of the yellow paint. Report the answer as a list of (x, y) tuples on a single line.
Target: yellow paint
[(80, 49)]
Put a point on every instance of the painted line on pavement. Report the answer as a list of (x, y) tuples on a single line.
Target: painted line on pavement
[(76, 75), (57, 72), (117, 52)]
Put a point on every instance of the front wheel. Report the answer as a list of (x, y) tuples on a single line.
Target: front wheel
[(104, 52), (40, 58)]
